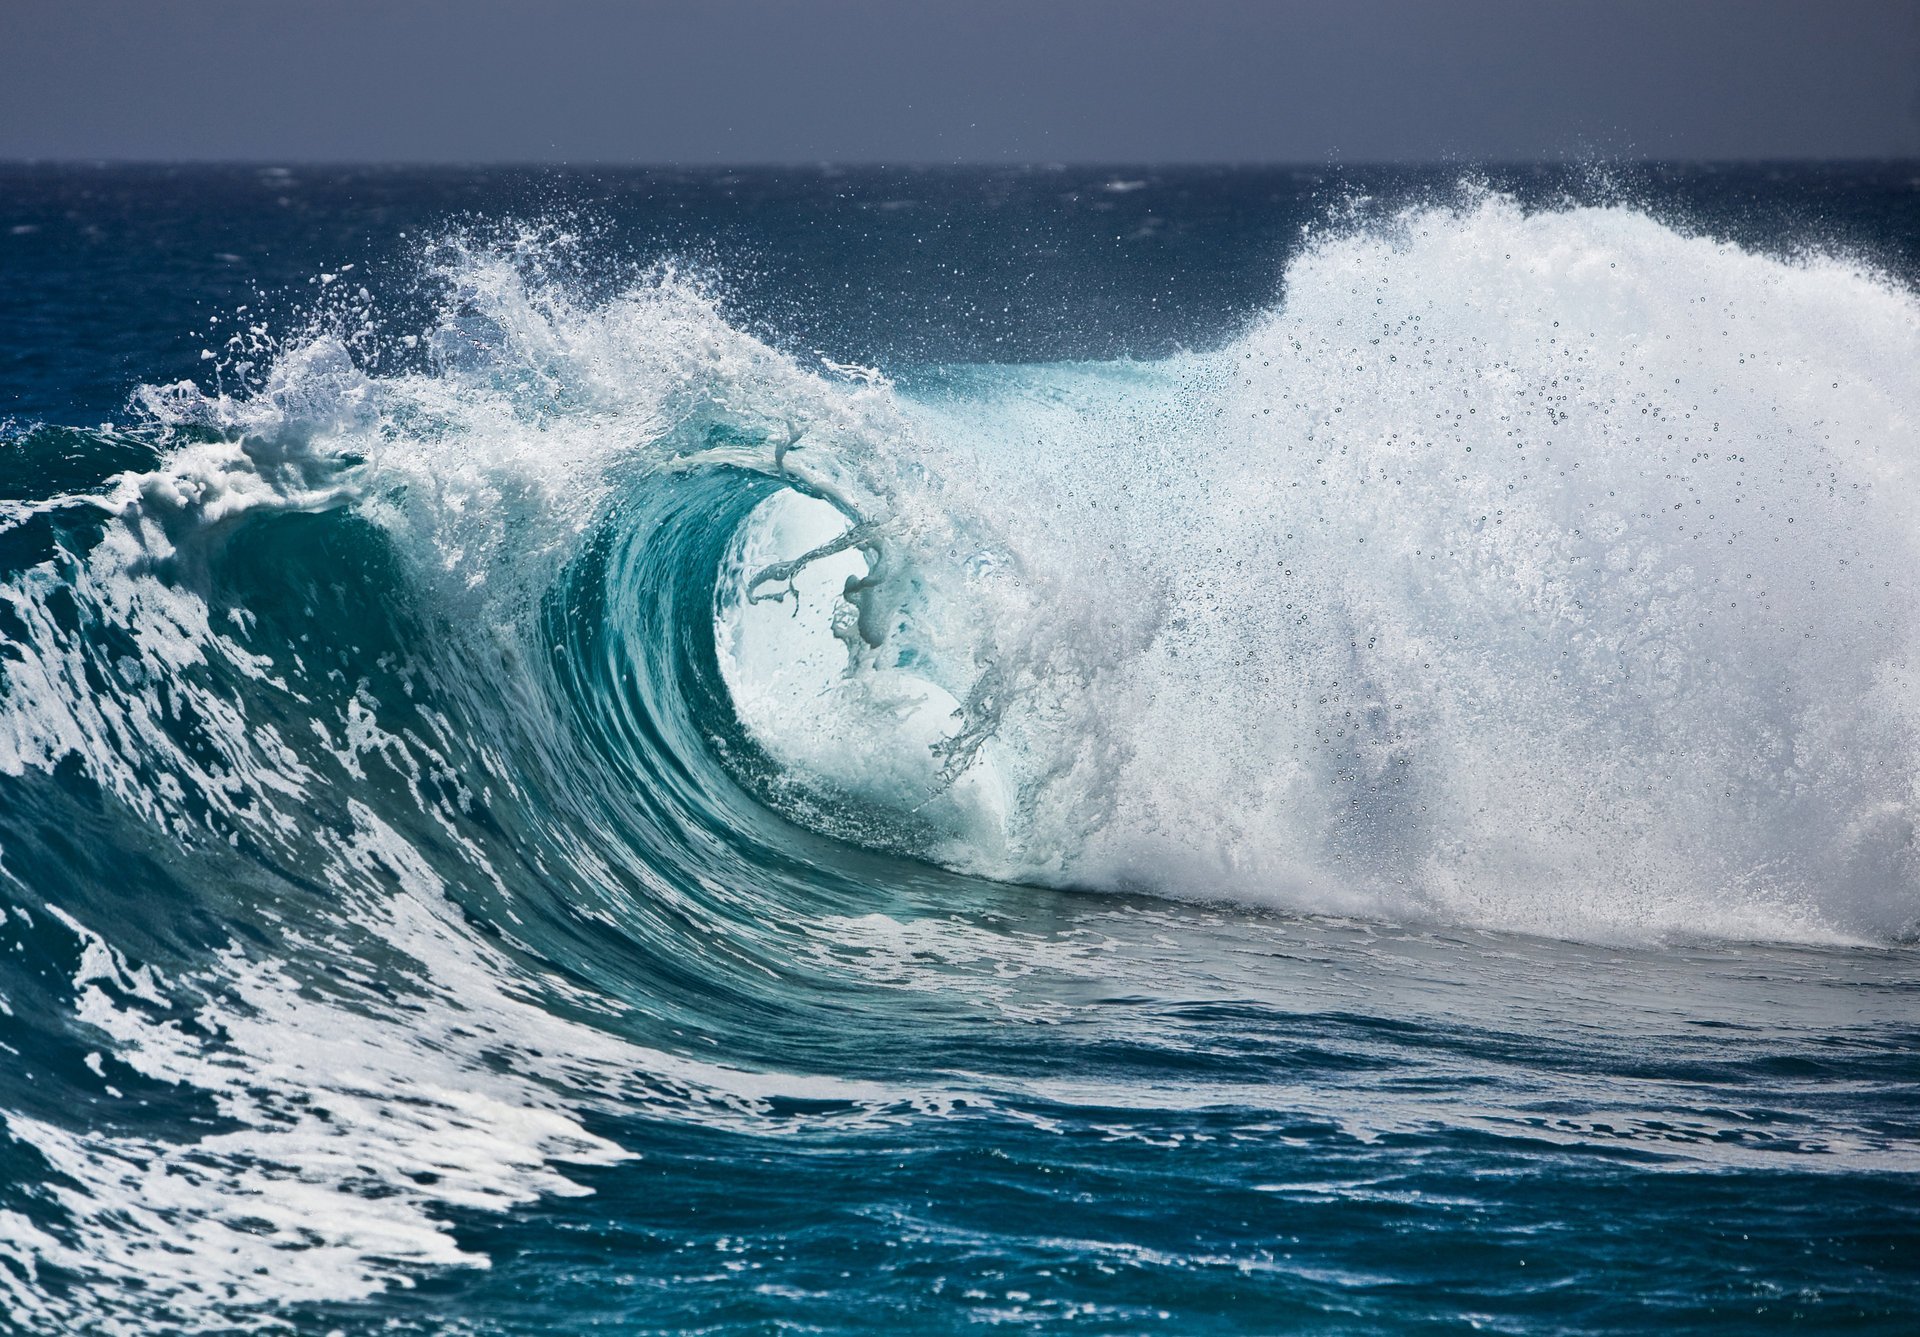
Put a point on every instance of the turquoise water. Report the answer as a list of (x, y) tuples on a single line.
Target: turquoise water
[(1195, 752)]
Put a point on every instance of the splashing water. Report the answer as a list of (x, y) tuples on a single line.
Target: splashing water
[(434, 785)]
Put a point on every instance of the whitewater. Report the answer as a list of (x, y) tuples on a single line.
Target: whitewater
[(549, 803)]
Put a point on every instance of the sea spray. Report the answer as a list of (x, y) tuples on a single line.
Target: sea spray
[(1549, 571)]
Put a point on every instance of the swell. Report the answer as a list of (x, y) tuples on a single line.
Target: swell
[(507, 733), (298, 820)]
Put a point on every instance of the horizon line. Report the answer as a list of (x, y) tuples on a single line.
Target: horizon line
[(970, 164)]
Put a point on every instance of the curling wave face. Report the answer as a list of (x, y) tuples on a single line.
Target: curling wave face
[(577, 690)]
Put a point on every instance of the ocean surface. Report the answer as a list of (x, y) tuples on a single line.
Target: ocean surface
[(1125, 751)]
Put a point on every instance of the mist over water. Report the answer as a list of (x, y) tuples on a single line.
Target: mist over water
[(1548, 572), (531, 799)]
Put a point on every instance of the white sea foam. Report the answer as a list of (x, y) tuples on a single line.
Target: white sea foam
[(1546, 571), (349, 1129)]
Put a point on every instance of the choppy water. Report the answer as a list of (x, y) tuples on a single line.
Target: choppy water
[(1201, 752)]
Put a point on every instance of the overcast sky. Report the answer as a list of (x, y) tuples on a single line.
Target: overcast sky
[(898, 81)]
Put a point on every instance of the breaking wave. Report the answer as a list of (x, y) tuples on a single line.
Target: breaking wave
[(444, 735)]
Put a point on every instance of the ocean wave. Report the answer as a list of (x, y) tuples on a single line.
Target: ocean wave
[(493, 721)]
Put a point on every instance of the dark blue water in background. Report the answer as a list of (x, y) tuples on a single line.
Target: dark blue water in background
[(111, 271), (403, 927)]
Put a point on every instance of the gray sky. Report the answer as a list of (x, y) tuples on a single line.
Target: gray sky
[(759, 81)]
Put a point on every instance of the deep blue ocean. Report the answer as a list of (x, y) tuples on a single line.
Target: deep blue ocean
[(1108, 750)]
